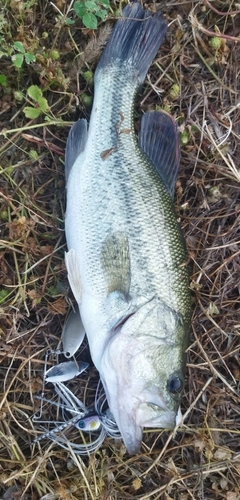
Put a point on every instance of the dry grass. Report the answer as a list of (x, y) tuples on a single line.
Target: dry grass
[(200, 86)]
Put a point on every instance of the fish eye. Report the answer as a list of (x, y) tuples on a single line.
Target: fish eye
[(174, 384)]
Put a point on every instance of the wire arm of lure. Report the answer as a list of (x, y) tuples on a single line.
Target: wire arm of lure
[(80, 449)]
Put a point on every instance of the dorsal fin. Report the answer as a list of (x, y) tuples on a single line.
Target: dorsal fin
[(159, 139)]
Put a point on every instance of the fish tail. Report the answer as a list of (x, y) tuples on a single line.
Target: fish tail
[(134, 42)]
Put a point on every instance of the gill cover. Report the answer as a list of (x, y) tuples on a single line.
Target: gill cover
[(134, 381)]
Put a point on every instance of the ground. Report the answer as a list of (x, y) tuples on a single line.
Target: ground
[(45, 84)]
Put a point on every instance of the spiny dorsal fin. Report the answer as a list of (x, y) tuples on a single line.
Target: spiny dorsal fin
[(159, 139)]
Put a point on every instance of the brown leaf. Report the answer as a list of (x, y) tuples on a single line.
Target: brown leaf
[(46, 249), (223, 453), (137, 484), (231, 495), (59, 306), (35, 297)]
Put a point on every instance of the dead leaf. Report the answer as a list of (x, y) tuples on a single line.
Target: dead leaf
[(223, 454), (35, 297), (231, 495), (59, 306), (137, 484), (199, 443), (46, 249)]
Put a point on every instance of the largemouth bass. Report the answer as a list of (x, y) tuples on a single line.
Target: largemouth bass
[(126, 259)]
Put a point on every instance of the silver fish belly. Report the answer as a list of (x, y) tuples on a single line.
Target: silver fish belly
[(126, 259)]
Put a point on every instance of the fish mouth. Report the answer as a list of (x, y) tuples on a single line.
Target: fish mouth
[(132, 415), (125, 417), (132, 421), (131, 426), (149, 415), (131, 433)]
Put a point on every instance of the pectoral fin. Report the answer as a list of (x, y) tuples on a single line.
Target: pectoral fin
[(159, 139), (74, 274), (76, 142), (115, 260)]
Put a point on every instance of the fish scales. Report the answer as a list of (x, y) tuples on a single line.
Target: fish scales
[(126, 261), (122, 193)]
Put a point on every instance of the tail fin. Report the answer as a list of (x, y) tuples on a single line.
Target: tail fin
[(135, 41)]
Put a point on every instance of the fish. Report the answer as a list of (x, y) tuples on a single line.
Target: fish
[(126, 258)]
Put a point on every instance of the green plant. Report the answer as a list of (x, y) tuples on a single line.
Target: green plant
[(90, 10), (3, 295), (3, 80), (35, 93), (21, 55)]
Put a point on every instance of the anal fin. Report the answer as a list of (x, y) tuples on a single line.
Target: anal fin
[(159, 139)]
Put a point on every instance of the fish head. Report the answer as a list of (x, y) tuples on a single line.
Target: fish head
[(142, 371)]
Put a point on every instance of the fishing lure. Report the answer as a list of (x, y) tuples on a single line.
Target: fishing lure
[(65, 371), (73, 334), (88, 424), (101, 421)]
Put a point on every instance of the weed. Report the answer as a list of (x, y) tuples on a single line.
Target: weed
[(90, 10), (21, 55), (35, 93), (3, 80)]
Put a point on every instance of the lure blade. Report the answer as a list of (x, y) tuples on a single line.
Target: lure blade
[(65, 371), (73, 334)]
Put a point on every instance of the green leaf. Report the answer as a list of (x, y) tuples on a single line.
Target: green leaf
[(102, 14), (34, 92), (17, 60), (19, 46), (29, 58), (33, 154), (90, 21), (105, 3), (43, 104), (80, 9), (69, 22), (3, 80), (18, 95), (31, 113), (90, 5), (3, 295)]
